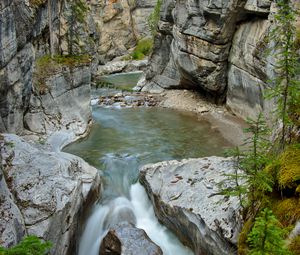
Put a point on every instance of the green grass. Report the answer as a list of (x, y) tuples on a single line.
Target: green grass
[(143, 48), (47, 66)]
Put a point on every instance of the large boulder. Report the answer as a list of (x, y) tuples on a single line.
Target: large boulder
[(186, 198), (44, 193), (125, 239)]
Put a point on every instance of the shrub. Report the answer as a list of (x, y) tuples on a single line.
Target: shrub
[(30, 245), (289, 172), (287, 210), (294, 246), (154, 17), (266, 236), (142, 49)]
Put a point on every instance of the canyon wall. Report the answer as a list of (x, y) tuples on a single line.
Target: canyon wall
[(43, 191), (110, 29), (215, 47), (120, 25)]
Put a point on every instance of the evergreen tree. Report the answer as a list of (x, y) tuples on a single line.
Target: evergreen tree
[(266, 236), (286, 87), (75, 18), (154, 17), (250, 182)]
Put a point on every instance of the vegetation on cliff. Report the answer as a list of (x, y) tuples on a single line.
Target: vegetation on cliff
[(267, 181), (154, 17), (30, 245)]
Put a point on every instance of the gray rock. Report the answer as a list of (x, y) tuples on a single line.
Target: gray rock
[(15, 89), (200, 46), (120, 25), (49, 192), (119, 66), (186, 199), (201, 37), (12, 227), (125, 239), (258, 6), (65, 106), (249, 70)]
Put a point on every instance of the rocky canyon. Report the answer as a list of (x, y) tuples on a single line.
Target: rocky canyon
[(207, 57)]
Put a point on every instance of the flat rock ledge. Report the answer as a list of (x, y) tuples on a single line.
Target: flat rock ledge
[(44, 192), (125, 239), (186, 199)]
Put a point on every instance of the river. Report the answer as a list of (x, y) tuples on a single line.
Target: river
[(122, 140)]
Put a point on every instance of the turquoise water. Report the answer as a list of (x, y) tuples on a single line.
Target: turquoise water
[(122, 80), (122, 140)]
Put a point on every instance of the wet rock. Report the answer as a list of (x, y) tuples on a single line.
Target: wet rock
[(45, 193), (186, 199), (135, 99), (118, 66), (125, 239)]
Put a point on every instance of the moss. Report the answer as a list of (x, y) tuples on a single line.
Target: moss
[(143, 48), (297, 39), (242, 242), (287, 211), (294, 246), (289, 172), (37, 3), (47, 66)]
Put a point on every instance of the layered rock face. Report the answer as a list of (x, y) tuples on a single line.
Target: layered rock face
[(61, 103), (212, 45), (44, 193), (120, 24), (186, 199), (24, 37)]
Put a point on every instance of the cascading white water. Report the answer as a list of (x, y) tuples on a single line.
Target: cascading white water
[(147, 220), (136, 210), (119, 143)]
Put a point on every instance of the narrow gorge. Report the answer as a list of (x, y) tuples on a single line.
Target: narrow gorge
[(115, 116)]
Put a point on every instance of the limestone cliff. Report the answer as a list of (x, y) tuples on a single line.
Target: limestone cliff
[(42, 191), (215, 47), (120, 24)]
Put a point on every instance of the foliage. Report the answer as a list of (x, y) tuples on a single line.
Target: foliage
[(153, 19), (76, 18), (30, 245), (287, 210), (242, 242), (294, 245), (142, 49), (286, 86), (266, 236), (250, 182), (47, 66), (289, 171), (235, 184)]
